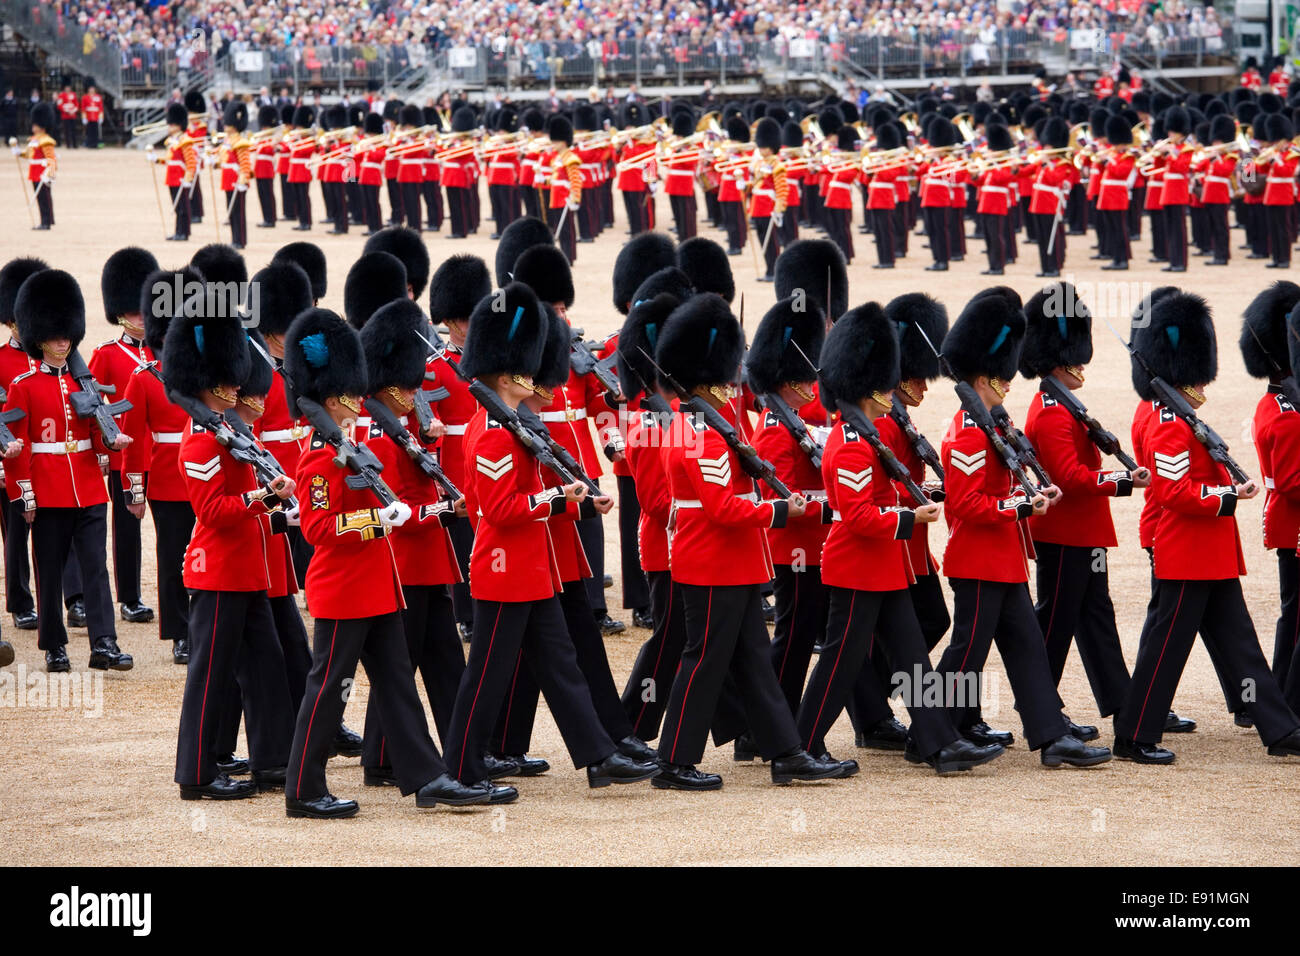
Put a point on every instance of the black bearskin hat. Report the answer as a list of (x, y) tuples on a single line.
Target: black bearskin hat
[(767, 135), (999, 137), (1177, 120), (260, 376), (545, 270), (671, 280), (641, 257), (1118, 131), (829, 121), (43, 116), (374, 280), (816, 266), (523, 233), (553, 369), (323, 358), (282, 292), (913, 313), (220, 263), (707, 266), (394, 358), (12, 276), (464, 120), (683, 124), (701, 343), (267, 117), (458, 285), (791, 134), (410, 115), (236, 116), (1264, 333), (985, 339), (888, 137), (1058, 331), (860, 356), (195, 104), (303, 117), (773, 358), (309, 257), (737, 130), (201, 353), (1178, 341), (49, 306), (640, 334), (159, 304), (941, 132), (1222, 129), (506, 334), (176, 116), (1056, 133), (585, 119), (121, 280), (374, 124), (559, 129), (407, 245)]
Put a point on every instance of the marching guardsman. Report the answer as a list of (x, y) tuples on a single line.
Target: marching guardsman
[(531, 178), (1154, 191), (126, 275), (720, 560), (565, 185), (302, 144), (936, 189), (410, 165), (288, 194), (181, 158), (151, 471), (1117, 174), (196, 129), (797, 164), (42, 161), (231, 632), (987, 559), (457, 173), (767, 199), (585, 124), (882, 196), (1196, 550), (237, 171), (1279, 189), (337, 170), (870, 604), (53, 471), (1218, 170), (426, 561), (431, 186), (508, 748), (1072, 539), (637, 172), (503, 175), (842, 169), (1265, 348), (264, 151), (994, 202), (409, 249), (680, 168), (513, 573), (370, 172), (1175, 192), (459, 284), (92, 116), (1050, 191), (730, 163), (350, 533)]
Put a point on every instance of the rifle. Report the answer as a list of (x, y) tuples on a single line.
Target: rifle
[(6, 436), (358, 459), (920, 444), (572, 468), (898, 472), (1168, 396), (382, 416), (423, 399), (755, 466), (795, 425), (90, 403), (1286, 380), (585, 361), (1106, 442), (652, 401), (1020, 441)]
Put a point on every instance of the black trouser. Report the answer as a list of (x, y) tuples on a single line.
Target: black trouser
[(902, 228), (800, 623), (1277, 219), (994, 233), (733, 221), (1074, 604), (462, 542), (433, 204), (636, 591), (1216, 217), (411, 205), (565, 238), (173, 523), (458, 209), (839, 228), (514, 728), (380, 644), (327, 193), (196, 198), (395, 214), (646, 694), (683, 216), (634, 203), (1049, 261), (725, 637), (266, 198), (502, 633), (182, 206), (18, 596), (936, 229), (302, 203), (1218, 610), (1256, 230), (1137, 199), (1176, 234), (882, 226), (1159, 244), (856, 622), (505, 204), (763, 226), (591, 533), (57, 534), (790, 226), (588, 214), (301, 551), (238, 199), (288, 198), (92, 134), (356, 202), (956, 232), (1200, 234), (532, 201), (434, 649), (1031, 223), (985, 611), (341, 218), (370, 202), (232, 637), (1076, 208), (1116, 232), (1286, 635)]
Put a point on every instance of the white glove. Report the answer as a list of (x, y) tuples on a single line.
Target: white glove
[(571, 206), (241, 187), (396, 514), (47, 178), (777, 218), (15, 150), (293, 517), (653, 187)]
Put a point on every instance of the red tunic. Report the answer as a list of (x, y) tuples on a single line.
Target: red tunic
[(151, 463), (1276, 430), (645, 458), (284, 437), (799, 541)]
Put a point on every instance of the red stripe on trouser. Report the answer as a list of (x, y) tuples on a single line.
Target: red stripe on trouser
[(974, 625), (708, 617), (1163, 646), (460, 765), (1056, 593), (789, 638), (207, 680), (297, 792), (510, 699), (668, 622), (812, 734)]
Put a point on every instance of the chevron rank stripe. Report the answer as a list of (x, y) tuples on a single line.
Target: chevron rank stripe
[(969, 464), (203, 471), (1173, 467), (494, 469), (854, 480), (716, 471)]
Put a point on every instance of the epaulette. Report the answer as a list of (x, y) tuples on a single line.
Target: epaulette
[(1048, 401), (770, 420), (1167, 414), (850, 433), (967, 421), (376, 430), (103, 345), (317, 442), (28, 374)]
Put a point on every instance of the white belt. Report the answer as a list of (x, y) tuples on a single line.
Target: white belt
[(1054, 190), (771, 194), (410, 162), (167, 438), (1218, 179), (682, 504), (372, 165), (837, 184), (570, 415), (1280, 180), (456, 429), (589, 166), (233, 166), (60, 448), (681, 172), (501, 165), (880, 185), (995, 189), (300, 162), (1169, 175), (284, 435), (1268, 483), (1115, 182)]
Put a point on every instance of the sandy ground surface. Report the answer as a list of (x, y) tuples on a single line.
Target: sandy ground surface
[(97, 789)]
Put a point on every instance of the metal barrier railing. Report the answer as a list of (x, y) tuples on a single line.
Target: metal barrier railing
[(42, 22)]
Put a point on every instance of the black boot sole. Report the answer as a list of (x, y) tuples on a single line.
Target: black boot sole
[(1055, 763), (960, 766), (784, 779), (659, 783), (596, 783), (103, 664), (237, 795), (475, 800), (312, 815)]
